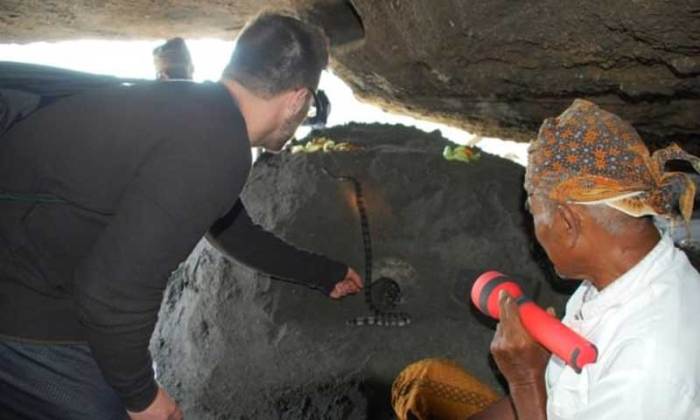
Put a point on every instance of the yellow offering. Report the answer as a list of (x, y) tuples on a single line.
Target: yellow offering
[(461, 153), (322, 144)]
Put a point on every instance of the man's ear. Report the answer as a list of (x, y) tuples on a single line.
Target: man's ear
[(569, 220), (296, 100)]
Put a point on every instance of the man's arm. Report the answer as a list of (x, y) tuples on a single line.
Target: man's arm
[(522, 361), (160, 217), (236, 236)]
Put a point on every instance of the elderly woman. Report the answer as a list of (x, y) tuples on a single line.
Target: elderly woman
[(592, 188)]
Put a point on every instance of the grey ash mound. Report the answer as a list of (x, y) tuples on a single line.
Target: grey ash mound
[(233, 344)]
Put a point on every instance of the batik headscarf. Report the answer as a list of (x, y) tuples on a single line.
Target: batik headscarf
[(589, 156)]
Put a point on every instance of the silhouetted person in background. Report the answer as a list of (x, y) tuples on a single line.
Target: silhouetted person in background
[(173, 61)]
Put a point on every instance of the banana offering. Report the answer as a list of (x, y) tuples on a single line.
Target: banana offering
[(322, 144)]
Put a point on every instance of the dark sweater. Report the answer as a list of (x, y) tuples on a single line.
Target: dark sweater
[(145, 171)]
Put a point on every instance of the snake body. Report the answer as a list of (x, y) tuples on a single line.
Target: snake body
[(376, 316)]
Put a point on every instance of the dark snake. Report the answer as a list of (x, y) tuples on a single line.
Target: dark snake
[(392, 293)]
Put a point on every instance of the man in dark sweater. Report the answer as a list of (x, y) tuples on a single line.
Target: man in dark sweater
[(107, 191)]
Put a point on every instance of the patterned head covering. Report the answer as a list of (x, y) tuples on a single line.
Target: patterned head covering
[(590, 156)]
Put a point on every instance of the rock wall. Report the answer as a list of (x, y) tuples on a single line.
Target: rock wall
[(231, 343), (52, 20), (495, 68), (500, 67)]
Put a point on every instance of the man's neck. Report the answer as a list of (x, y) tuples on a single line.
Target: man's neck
[(255, 110), (621, 253)]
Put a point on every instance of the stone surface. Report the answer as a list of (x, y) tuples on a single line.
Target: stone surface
[(501, 67), (495, 68), (231, 343), (51, 20)]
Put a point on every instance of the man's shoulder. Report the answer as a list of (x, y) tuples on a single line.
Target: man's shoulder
[(203, 115), (179, 88), (174, 96), (171, 96), (184, 118), (663, 327)]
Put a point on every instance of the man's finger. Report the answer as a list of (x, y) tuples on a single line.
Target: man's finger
[(355, 285), (503, 299), (354, 278), (337, 291), (349, 287)]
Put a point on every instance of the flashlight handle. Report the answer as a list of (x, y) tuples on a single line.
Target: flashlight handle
[(556, 337), (544, 328)]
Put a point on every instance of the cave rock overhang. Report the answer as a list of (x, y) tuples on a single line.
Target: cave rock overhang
[(495, 68)]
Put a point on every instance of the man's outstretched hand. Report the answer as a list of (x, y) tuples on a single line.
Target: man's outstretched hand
[(351, 284)]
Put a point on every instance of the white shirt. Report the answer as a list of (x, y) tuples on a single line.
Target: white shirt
[(646, 325)]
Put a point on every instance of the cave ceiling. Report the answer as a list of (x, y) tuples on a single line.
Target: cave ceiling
[(495, 68)]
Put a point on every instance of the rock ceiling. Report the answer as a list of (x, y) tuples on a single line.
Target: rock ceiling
[(496, 67)]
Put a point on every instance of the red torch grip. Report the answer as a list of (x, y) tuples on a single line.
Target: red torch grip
[(556, 337), (543, 327)]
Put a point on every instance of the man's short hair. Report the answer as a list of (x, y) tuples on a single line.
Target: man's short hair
[(276, 53)]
